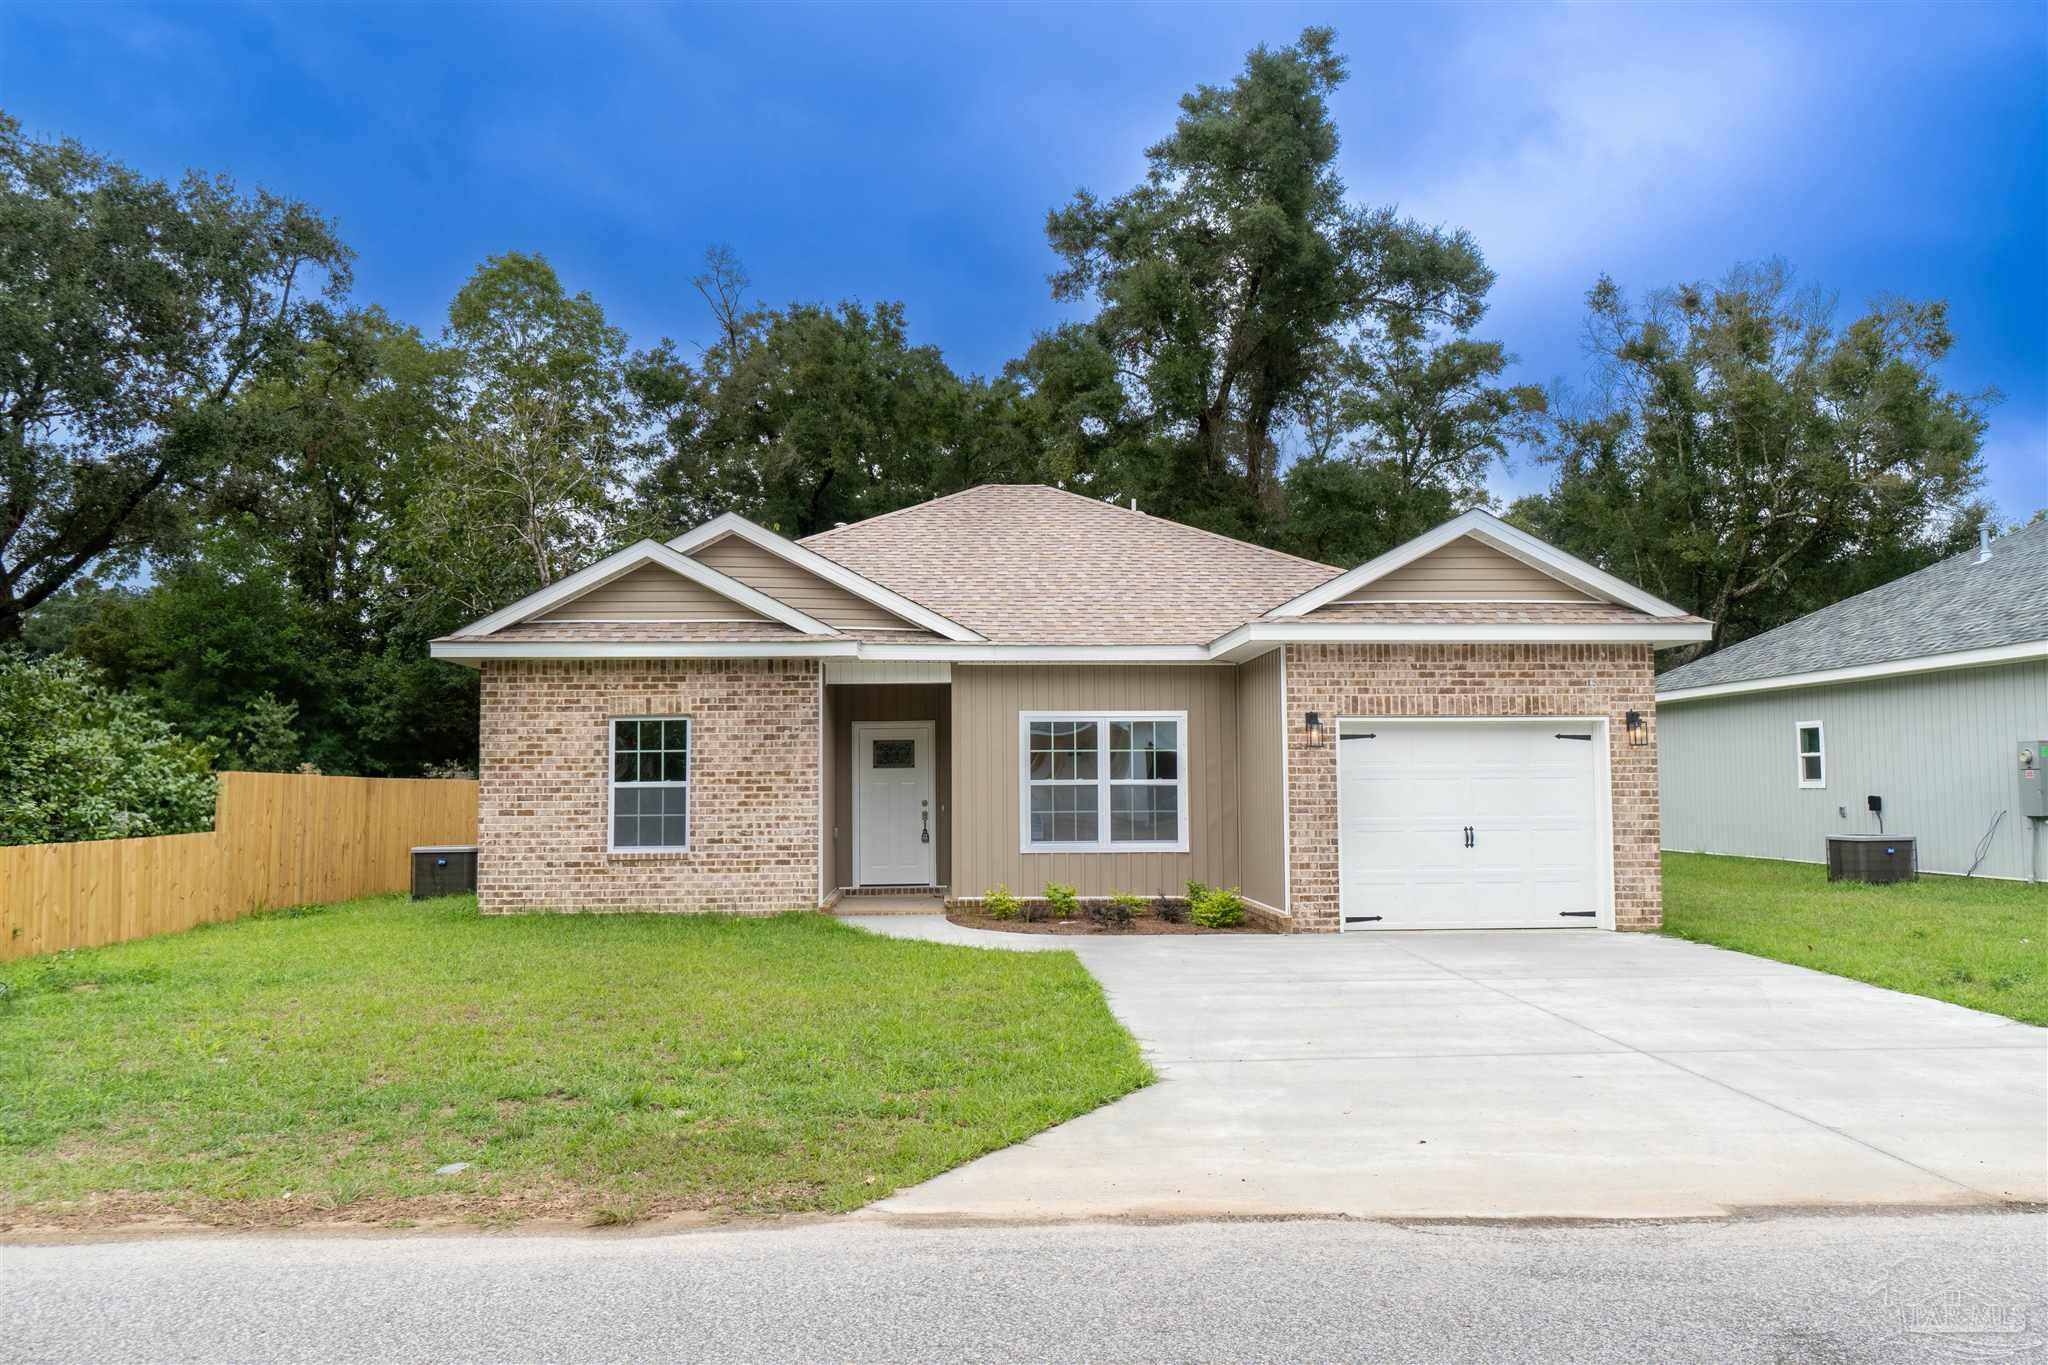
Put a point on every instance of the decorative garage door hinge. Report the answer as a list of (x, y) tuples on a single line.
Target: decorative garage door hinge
[(1362, 919), (1587, 738)]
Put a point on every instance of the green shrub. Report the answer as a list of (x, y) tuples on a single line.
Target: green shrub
[(1061, 897), (999, 903), (1197, 890), (1117, 912), (1215, 909), (81, 761)]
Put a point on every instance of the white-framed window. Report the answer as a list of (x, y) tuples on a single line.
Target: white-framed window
[(1813, 761), (650, 784), (1103, 781)]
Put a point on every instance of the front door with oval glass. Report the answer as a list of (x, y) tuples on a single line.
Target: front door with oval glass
[(895, 815)]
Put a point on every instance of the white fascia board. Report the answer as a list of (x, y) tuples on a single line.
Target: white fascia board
[(465, 651), (1256, 637), (815, 564), (1490, 530), (1893, 668), (1043, 654), (624, 562)]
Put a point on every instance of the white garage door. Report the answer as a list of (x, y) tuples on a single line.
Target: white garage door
[(1469, 826)]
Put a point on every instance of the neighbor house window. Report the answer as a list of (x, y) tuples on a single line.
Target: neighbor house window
[(1098, 782), (1812, 755), (650, 784)]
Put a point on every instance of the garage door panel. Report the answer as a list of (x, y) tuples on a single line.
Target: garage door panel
[(1408, 796)]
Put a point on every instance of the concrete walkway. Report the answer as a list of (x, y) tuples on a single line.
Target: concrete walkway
[(1514, 1074)]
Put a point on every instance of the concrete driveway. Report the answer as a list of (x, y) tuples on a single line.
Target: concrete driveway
[(1514, 1074)]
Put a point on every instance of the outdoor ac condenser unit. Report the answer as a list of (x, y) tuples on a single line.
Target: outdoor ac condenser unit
[(1872, 858)]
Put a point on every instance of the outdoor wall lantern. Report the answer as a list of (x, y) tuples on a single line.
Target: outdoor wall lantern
[(1638, 730), (1315, 729)]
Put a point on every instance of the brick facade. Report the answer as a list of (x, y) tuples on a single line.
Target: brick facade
[(754, 785), (1478, 681)]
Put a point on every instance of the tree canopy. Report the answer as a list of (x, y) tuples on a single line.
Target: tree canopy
[(236, 503), (1751, 460)]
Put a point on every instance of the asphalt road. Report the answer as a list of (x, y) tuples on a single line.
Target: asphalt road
[(1779, 1288)]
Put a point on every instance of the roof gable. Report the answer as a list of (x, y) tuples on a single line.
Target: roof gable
[(650, 592), (563, 592), (1466, 569), (1489, 532), (791, 573)]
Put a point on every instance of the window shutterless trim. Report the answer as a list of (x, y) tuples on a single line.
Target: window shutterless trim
[(1103, 783), (612, 785), (1800, 755)]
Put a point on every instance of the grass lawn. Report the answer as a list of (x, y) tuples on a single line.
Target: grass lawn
[(323, 1063), (1978, 943)]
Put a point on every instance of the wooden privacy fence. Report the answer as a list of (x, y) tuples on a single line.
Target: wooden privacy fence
[(278, 839)]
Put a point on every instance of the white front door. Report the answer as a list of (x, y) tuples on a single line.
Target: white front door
[(1469, 825), (894, 823)]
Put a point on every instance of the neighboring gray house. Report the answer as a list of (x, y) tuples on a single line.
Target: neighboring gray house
[(1920, 693)]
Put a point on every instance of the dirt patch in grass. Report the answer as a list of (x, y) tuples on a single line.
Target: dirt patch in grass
[(1081, 926)]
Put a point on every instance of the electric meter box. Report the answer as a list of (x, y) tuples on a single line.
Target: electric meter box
[(2034, 778)]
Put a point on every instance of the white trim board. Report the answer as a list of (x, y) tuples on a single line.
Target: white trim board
[(815, 564), (624, 562), (1246, 642), (1925, 663), (1491, 531)]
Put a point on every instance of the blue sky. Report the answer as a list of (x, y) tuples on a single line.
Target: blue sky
[(911, 152)]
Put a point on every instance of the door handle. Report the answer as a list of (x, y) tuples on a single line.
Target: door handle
[(925, 835)]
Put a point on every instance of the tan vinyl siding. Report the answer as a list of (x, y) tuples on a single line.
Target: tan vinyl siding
[(785, 582), (1466, 570), (845, 706), (650, 593), (1262, 827), (987, 702)]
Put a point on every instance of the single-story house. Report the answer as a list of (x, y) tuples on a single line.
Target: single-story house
[(1906, 710), (1015, 685)]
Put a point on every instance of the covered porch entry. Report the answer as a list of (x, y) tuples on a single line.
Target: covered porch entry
[(888, 778)]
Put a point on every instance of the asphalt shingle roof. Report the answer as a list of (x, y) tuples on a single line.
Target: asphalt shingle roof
[(1029, 564), (1958, 604)]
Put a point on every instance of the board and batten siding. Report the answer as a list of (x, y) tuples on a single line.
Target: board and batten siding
[(1466, 571), (651, 593), (987, 702), (1942, 749), (785, 582), (1262, 780)]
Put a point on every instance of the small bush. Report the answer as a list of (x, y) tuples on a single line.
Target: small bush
[(1061, 897), (1117, 912), (999, 903), (1172, 909), (1197, 890), (1034, 911), (1215, 909)]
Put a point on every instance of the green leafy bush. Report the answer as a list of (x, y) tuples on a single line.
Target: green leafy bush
[(81, 761), (999, 903), (1117, 912), (1216, 909), (1063, 900)]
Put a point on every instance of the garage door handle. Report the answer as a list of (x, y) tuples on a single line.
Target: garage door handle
[(1468, 836)]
